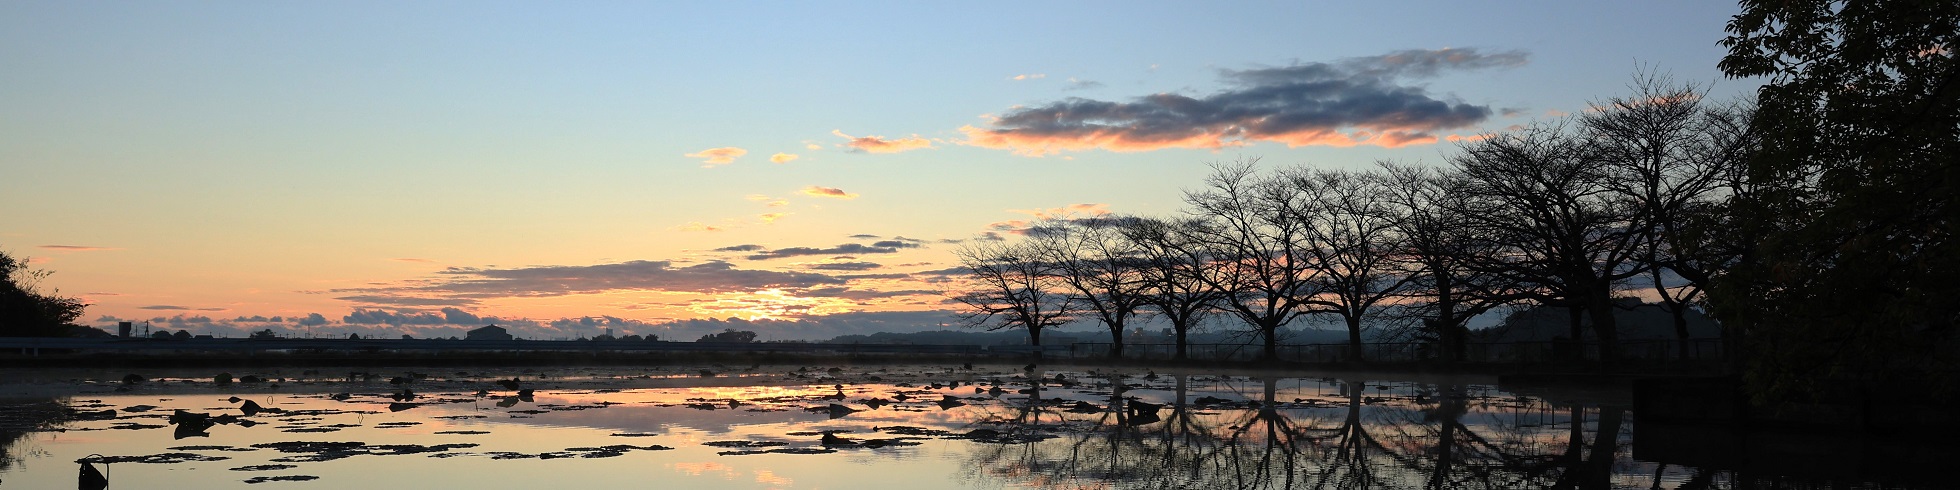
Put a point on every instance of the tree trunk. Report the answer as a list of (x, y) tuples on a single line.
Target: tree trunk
[(1182, 328), (1116, 341), (1354, 340), (1606, 327), (1680, 313), (1271, 352)]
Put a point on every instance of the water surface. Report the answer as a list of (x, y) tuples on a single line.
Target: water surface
[(854, 428)]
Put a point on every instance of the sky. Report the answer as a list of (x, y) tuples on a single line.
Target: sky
[(801, 169)]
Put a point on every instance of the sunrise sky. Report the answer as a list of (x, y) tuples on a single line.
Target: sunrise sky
[(659, 167)]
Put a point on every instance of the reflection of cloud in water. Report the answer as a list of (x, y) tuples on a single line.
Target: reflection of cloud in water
[(658, 420), (698, 469), (770, 478)]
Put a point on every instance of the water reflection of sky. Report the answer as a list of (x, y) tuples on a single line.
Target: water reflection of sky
[(934, 429)]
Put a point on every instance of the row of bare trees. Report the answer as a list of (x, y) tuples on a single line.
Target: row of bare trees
[(1563, 214)]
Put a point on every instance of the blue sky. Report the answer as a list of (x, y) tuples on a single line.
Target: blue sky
[(216, 162)]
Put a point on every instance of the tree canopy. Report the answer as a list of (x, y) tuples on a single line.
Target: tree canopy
[(25, 311), (1852, 198)]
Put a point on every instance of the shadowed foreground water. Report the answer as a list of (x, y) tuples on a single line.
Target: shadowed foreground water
[(813, 427)]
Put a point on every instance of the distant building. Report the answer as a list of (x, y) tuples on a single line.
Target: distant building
[(1636, 321), (491, 332)]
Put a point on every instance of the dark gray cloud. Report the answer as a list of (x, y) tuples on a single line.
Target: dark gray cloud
[(846, 266), (814, 327), (408, 301), (1369, 100), (881, 247), (746, 247), (364, 316), (863, 236), (706, 277), (863, 294)]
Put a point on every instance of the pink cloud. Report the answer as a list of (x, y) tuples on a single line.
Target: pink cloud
[(880, 144), (819, 191), (718, 156)]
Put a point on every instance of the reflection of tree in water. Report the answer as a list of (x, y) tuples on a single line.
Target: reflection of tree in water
[(19, 420), (1438, 436)]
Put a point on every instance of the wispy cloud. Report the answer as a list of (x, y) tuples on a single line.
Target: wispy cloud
[(718, 156), (782, 158), (1028, 76), (880, 144), (648, 275), (767, 201), (395, 300), (845, 266), (768, 218), (1079, 84), (175, 307), (1090, 209), (820, 191), (879, 247), (698, 226), (1355, 101), (76, 248)]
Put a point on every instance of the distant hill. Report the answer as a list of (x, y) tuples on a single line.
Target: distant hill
[(1636, 321)]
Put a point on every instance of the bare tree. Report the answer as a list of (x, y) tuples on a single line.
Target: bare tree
[(1101, 269), (1011, 285), (1544, 202), (1438, 248), (1674, 156), (1352, 235), (1177, 273), (1256, 247)]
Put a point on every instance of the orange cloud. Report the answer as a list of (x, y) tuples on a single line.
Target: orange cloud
[(879, 144), (718, 156), (768, 218), (782, 158), (820, 191), (767, 201), (698, 226), (1072, 210)]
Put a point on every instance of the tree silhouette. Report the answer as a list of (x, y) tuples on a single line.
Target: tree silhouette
[(1176, 274), (1439, 248), (1852, 219), (1353, 235), (1258, 248), (1100, 267), (27, 312), (730, 336), (1542, 200), (1674, 156), (1012, 285)]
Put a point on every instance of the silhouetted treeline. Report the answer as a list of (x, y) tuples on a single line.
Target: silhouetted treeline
[(1562, 213), (1815, 221)]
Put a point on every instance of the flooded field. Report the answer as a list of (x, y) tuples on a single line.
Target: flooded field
[(865, 427)]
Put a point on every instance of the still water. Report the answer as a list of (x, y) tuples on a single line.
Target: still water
[(865, 427)]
